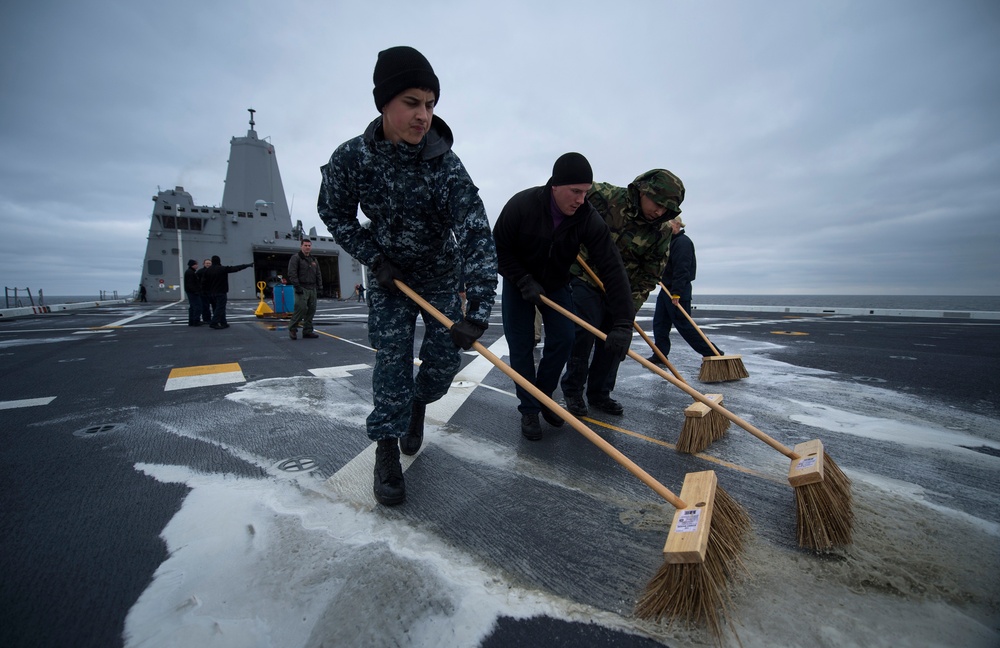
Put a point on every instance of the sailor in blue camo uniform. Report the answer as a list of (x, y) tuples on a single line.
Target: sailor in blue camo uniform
[(428, 228)]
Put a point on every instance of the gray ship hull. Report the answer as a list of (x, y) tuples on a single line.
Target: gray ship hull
[(253, 224)]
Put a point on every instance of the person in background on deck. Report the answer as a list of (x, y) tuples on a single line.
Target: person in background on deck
[(192, 286), (639, 218), (217, 286), (538, 235), (207, 303), (677, 277), (428, 228), (142, 293), (304, 274)]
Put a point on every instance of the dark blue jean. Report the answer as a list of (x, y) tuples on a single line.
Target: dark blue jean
[(667, 315), (194, 309), (519, 329), (597, 375), (219, 309)]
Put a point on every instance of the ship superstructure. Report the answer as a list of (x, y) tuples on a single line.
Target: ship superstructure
[(252, 224)]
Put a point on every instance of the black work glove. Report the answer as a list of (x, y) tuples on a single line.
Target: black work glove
[(619, 340), (299, 291), (464, 333), (531, 290), (385, 272)]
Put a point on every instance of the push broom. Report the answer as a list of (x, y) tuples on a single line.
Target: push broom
[(702, 425), (704, 547), (718, 367), (824, 511)]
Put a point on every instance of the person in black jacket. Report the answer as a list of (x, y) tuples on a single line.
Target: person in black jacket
[(192, 286), (538, 235), (207, 303), (682, 266), (216, 286)]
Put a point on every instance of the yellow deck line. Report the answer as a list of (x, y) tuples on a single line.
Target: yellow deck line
[(700, 455), (204, 370)]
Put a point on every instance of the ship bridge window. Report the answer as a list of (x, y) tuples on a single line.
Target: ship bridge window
[(204, 210), (182, 223), (263, 214), (180, 209)]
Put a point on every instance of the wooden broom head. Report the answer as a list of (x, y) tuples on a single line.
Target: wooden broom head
[(824, 504), (702, 426), (722, 368), (687, 541), (692, 586)]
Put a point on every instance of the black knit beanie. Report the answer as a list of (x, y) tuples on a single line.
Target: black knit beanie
[(400, 68), (216, 260), (192, 262), (571, 168)]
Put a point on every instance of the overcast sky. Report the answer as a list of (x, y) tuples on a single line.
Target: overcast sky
[(840, 147)]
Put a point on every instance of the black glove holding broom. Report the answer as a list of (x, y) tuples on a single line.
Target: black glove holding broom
[(619, 340), (385, 272)]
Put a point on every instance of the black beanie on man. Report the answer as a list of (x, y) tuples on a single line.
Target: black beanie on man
[(216, 260), (192, 262), (400, 68), (571, 168)]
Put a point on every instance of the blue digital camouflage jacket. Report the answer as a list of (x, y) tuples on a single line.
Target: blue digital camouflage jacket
[(425, 213)]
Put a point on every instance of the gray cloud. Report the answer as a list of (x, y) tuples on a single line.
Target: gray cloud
[(847, 147)]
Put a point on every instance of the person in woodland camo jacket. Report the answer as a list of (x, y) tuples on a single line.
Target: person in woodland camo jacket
[(639, 217)]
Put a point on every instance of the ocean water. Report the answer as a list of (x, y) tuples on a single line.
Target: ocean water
[(914, 302), (50, 300)]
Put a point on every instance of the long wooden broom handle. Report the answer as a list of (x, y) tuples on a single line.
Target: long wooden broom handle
[(681, 309), (575, 423), (683, 386), (635, 325)]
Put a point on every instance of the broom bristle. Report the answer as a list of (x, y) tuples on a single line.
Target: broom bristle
[(722, 369), (825, 511), (697, 594), (696, 434), (702, 426), (720, 425)]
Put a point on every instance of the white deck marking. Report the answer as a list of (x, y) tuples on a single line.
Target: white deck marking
[(190, 377), (338, 372), (27, 402), (353, 482)]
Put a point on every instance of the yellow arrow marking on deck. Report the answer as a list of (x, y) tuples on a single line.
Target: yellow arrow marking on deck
[(201, 376), (788, 333), (204, 370)]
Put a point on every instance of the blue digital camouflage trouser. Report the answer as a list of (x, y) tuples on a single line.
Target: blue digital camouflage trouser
[(392, 323)]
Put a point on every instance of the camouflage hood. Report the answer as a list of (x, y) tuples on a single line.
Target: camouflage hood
[(436, 142), (662, 187)]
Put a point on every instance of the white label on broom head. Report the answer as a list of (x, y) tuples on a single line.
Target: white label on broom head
[(688, 521), (808, 462)]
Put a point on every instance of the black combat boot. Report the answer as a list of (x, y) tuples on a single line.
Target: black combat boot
[(530, 428), (389, 486), (410, 443)]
